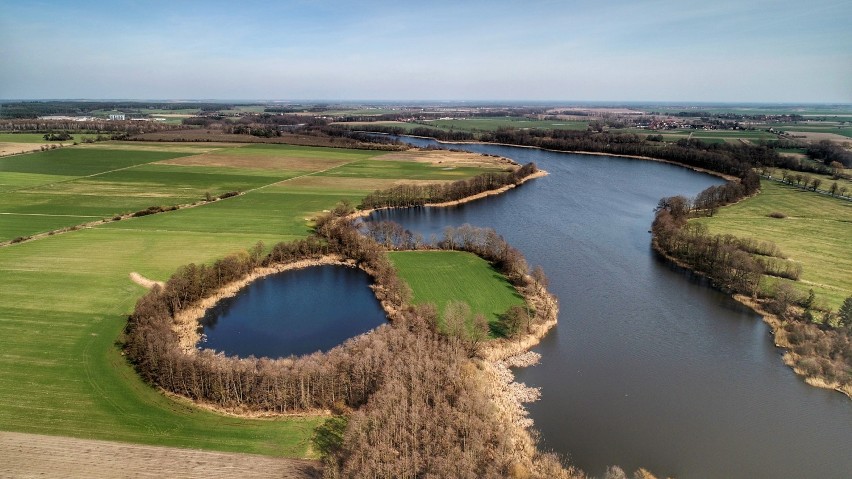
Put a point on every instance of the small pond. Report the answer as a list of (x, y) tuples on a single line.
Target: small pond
[(294, 312)]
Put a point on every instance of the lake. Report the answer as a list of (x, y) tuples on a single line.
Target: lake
[(294, 312)]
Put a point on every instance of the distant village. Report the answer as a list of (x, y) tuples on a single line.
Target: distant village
[(118, 116)]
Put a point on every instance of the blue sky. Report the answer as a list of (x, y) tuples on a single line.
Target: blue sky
[(727, 51)]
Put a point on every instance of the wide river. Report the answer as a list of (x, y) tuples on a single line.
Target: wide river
[(648, 366)]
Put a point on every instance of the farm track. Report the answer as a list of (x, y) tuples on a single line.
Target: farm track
[(32, 455)]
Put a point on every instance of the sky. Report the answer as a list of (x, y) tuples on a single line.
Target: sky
[(686, 50)]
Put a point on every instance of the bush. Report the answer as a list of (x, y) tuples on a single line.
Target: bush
[(777, 214)]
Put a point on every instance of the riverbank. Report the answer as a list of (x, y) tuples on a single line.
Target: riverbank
[(779, 335), (512, 351), (478, 196), (782, 341)]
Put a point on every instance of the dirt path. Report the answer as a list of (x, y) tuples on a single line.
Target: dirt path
[(143, 281), (30, 455)]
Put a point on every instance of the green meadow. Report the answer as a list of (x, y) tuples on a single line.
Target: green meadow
[(817, 232), (439, 277), (65, 297)]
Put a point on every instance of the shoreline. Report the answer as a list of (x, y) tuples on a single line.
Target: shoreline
[(466, 199), (780, 339), (775, 324)]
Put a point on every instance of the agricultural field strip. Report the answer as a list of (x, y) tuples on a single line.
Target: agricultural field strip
[(49, 214), (29, 455), (74, 178), (300, 176)]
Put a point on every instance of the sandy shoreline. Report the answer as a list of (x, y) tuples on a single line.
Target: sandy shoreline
[(467, 199)]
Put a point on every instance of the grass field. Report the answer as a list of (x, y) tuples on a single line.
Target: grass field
[(817, 232), (843, 131), (29, 138), (442, 276), (65, 297)]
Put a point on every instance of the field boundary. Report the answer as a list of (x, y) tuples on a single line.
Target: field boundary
[(34, 455)]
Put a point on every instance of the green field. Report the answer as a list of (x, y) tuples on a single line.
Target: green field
[(817, 232), (837, 130), (29, 138), (442, 276), (97, 183), (65, 298)]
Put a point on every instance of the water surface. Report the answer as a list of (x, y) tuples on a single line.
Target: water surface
[(294, 312), (649, 366)]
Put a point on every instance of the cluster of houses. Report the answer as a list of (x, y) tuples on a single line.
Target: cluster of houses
[(111, 117)]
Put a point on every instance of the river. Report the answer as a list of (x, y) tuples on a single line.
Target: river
[(648, 366)]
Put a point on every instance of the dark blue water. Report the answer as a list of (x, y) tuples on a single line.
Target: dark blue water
[(649, 366), (294, 312)]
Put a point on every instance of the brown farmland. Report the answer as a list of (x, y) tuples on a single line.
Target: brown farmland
[(31, 455)]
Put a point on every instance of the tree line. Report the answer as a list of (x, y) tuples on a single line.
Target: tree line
[(731, 263), (34, 109), (418, 195), (807, 182), (728, 158), (440, 135), (89, 126), (828, 152)]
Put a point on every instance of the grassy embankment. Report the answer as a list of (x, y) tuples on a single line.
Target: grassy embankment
[(442, 276), (817, 232), (65, 297)]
